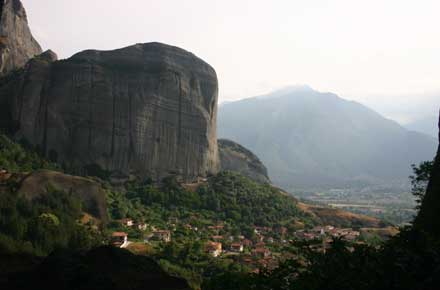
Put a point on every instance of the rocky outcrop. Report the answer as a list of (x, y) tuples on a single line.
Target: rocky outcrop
[(91, 193), (17, 44), (147, 110), (234, 157), (428, 218)]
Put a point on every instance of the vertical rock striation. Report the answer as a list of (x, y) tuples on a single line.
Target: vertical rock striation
[(147, 110), (17, 44)]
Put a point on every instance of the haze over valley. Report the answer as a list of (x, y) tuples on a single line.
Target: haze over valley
[(313, 142)]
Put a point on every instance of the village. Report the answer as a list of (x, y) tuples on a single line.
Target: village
[(260, 250)]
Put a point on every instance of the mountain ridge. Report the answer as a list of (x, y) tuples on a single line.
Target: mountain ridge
[(312, 138)]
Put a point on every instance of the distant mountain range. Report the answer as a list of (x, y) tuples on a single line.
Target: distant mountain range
[(428, 125), (309, 140)]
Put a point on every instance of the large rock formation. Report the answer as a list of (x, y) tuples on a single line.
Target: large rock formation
[(428, 218), (17, 45), (234, 157), (147, 110)]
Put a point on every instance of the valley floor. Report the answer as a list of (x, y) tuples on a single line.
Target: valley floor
[(397, 208)]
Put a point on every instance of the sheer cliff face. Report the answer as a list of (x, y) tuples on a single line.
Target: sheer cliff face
[(17, 45), (147, 110)]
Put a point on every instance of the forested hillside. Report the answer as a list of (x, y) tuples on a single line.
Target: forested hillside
[(44, 211)]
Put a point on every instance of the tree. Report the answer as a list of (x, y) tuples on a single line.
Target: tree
[(420, 179)]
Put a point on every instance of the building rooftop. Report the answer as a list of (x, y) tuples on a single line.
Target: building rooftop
[(119, 234)]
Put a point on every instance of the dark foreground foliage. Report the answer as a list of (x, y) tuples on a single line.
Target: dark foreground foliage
[(101, 268), (409, 261)]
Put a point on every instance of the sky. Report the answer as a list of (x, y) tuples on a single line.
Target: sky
[(383, 53)]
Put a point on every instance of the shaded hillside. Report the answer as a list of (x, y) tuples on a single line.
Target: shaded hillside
[(234, 157), (40, 209), (101, 268), (48, 222), (91, 193), (227, 196), (332, 216), (33, 176), (309, 139)]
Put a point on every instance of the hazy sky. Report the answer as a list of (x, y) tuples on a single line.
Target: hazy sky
[(371, 51)]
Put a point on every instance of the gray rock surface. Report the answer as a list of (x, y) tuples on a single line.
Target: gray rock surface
[(17, 44), (147, 110), (234, 157)]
